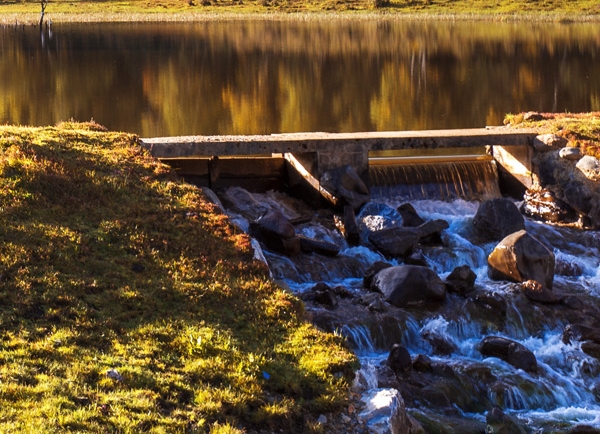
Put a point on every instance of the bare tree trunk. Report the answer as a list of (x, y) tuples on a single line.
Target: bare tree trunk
[(44, 3)]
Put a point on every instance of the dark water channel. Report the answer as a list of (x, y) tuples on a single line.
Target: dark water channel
[(267, 76)]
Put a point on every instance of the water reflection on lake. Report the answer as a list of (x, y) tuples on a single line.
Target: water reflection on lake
[(267, 76)]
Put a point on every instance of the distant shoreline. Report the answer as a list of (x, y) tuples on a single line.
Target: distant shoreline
[(32, 18)]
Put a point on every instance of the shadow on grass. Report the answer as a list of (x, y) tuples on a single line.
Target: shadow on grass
[(110, 263)]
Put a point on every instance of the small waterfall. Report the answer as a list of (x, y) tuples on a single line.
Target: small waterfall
[(470, 180)]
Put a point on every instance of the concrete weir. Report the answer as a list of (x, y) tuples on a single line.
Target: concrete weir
[(300, 158)]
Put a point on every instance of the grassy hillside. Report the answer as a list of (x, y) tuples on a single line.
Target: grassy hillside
[(129, 304), (142, 10)]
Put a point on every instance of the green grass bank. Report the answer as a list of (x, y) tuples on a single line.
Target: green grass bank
[(129, 304), (28, 12)]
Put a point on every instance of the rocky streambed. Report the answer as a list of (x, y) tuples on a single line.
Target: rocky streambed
[(468, 316)]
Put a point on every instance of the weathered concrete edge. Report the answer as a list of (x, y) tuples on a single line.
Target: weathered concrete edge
[(198, 146)]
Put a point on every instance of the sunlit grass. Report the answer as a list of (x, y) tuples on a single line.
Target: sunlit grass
[(128, 303), (197, 10), (581, 130)]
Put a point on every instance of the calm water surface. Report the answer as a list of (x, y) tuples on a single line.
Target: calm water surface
[(262, 76)]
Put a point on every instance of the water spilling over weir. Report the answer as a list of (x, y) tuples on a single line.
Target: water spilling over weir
[(452, 384)]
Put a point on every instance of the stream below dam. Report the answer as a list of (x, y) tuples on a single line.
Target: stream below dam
[(451, 384)]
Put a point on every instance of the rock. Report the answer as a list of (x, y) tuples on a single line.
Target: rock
[(533, 117), (580, 332), (430, 231), (410, 216), (535, 292), (422, 363), (399, 359), (274, 222), (543, 205), (440, 345), (590, 167), (373, 301), (375, 268), (384, 412), (570, 153), (497, 218), (520, 257), (310, 245), (500, 423), (395, 242), (404, 285), (345, 184), (548, 142), (416, 258), (461, 280), (572, 302), (584, 429), (510, 351), (578, 196)]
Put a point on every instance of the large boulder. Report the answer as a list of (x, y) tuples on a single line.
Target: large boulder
[(510, 351), (497, 218), (520, 257), (345, 184), (403, 285)]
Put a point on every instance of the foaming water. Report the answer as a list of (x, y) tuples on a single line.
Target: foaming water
[(561, 393)]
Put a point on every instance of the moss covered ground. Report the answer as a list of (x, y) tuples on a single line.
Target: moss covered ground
[(128, 303)]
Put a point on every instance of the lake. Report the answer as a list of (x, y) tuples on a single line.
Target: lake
[(277, 76)]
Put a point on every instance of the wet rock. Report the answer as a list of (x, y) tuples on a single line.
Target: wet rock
[(275, 231), (310, 245), (571, 269), (399, 359), (422, 363), (510, 351), (405, 285), (430, 231), (375, 268), (580, 332), (373, 301), (584, 429), (500, 423), (345, 184), (491, 303), (410, 216), (461, 280), (440, 345), (384, 412), (321, 294), (416, 258), (543, 205), (591, 349), (535, 292), (395, 242), (497, 218), (570, 153), (548, 142), (572, 302), (520, 257)]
